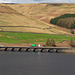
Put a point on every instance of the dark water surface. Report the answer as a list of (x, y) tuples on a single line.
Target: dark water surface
[(32, 63)]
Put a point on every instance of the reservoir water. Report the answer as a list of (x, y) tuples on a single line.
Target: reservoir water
[(36, 63)]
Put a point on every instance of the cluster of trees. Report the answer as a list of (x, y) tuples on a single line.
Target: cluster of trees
[(50, 43), (66, 21)]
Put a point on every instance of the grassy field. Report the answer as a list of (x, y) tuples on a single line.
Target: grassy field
[(10, 37)]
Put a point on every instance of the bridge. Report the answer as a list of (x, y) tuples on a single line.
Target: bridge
[(32, 49)]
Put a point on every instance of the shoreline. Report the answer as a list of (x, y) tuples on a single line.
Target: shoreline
[(72, 50)]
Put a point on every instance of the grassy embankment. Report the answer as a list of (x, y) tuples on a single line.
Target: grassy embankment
[(10, 37)]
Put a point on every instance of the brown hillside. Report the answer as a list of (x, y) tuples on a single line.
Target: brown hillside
[(45, 12), (11, 20), (17, 21)]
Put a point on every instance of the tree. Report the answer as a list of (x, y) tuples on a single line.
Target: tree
[(53, 42), (50, 43), (47, 42), (72, 31)]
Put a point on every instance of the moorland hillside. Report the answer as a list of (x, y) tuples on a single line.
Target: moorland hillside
[(12, 20), (45, 11)]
